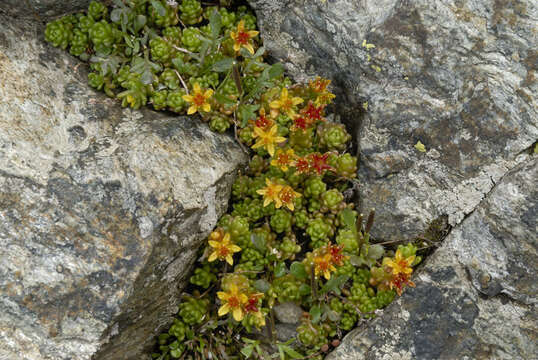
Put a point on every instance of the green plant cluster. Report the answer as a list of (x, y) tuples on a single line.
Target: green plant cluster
[(291, 234)]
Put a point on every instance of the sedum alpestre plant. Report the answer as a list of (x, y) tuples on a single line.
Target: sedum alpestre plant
[(290, 233)]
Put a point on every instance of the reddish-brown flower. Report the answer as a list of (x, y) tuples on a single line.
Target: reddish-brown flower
[(337, 255), (318, 162), (302, 165), (313, 113)]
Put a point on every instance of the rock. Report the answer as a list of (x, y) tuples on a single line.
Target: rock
[(43, 9), (476, 297), (102, 210), (458, 76), (288, 313)]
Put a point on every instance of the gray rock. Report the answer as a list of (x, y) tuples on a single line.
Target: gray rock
[(459, 76), (288, 313), (476, 297), (43, 9), (102, 210)]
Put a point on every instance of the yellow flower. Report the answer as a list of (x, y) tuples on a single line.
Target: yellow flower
[(271, 193), (224, 248), (287, 195), (323, 264), (399, 281), (324, 98), (285, 103), (233, 301), (319, 86), (399, 264), (243, 38), (198, 99), (283, 159), (267, 139)]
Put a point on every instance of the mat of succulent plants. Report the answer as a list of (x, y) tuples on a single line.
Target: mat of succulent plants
[(289, 235)]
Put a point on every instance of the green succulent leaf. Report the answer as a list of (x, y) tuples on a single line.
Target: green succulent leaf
[(298, 270), (280, 269), (315, 313), (334, 284), (158, 7)]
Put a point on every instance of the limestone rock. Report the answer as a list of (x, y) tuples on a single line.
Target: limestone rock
[(288, 313), (476, 297), (459, 76), (102, 210), (43, 9)]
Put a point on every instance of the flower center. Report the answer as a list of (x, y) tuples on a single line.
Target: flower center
[(199, 99), (233, 302), (286, 196), (242, 38), (223, 251)]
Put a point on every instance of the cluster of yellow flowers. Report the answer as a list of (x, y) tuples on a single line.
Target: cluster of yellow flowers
[(239, 300), (224, 248), (200, 98), (279, 194), (400, 271), (325, 260)]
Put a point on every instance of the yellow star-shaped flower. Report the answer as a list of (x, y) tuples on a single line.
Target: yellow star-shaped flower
[(224, 249), (267, 139), (198, 99)]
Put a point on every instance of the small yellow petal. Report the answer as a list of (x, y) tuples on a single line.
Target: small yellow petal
[(188, 98), (224, 309), (297, 100), (234, 248), (275, 104), (238, 314), (196, 88), (237, 47), (266, 202), (192, 110), (249, 47), (206, 107), (212, 257), (229, 259), (222, 295), (213, 243), (271, 149), (253, 33), (208, 93)]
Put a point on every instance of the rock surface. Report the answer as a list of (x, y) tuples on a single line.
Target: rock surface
[(102, 209), (476, 297), (42, 9), (288, 313), (458, 76)]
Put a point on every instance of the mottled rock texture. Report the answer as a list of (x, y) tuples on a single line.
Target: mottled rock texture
[(43, 9), (476, 297), (460, 77), (102, 209), (457, 75)]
